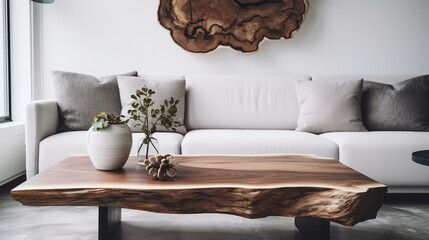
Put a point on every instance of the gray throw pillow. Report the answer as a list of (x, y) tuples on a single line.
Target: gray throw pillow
[(403, 106), (165, 88), (332, 106), (80, 97)]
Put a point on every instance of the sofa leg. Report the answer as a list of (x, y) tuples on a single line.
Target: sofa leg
[(109, 220), (313, 228)]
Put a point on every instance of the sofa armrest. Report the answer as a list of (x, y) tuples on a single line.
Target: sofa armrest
[(41, 122)]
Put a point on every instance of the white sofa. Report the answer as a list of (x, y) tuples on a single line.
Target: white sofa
[(250, 115)]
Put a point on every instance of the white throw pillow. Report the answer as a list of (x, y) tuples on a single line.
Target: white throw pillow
[(165, 88), (330, 106)]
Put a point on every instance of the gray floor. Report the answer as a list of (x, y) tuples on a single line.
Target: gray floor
[(401, 217)]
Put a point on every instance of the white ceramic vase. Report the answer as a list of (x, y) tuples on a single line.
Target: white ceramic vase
[(109, 148)]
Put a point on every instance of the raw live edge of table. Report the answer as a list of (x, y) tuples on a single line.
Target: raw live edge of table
[(313, 190)]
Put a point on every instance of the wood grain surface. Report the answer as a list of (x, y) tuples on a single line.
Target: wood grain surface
[(202, 25), (249, 186)]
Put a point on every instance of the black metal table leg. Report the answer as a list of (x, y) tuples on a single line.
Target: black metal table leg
[(313, 228), (109, 219)]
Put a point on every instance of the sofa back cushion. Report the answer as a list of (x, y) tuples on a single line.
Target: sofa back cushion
[(241, 102)]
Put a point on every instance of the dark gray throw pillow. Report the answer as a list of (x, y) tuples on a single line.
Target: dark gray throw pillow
[(80, 97), (403, 106)]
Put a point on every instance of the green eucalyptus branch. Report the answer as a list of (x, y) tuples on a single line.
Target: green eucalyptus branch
[(147, 118), (103, 120)]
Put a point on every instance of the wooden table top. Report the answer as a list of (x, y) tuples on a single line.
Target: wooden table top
[(240, 185)]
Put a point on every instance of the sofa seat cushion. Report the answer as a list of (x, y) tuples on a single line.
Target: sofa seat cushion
[(169, 142), (58, 146), (384, 156), (257, 142)]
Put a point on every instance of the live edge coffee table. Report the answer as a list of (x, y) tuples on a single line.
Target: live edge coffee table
[(311, 189)]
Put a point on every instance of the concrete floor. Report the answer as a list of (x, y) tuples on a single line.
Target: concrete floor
[(402, 217)]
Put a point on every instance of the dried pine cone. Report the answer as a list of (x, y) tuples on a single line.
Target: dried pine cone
[(160, 166)]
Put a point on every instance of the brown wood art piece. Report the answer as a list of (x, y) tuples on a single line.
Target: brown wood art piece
[(202, 25), (248, 186)]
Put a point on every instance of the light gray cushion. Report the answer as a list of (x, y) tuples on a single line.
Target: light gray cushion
[(329, 106), (403, 106), (165, 88), (80, 97)]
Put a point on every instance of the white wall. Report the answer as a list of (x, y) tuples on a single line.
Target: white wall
[(338, 36), (20, 48)]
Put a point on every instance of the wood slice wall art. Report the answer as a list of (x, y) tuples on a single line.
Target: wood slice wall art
[(202, 25)]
